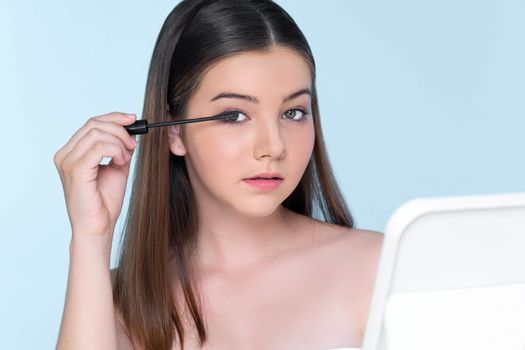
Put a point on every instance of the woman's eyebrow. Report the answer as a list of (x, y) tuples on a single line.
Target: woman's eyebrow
[(256, 100)]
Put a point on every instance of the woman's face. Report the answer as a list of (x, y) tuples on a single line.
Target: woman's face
[(273, 134)]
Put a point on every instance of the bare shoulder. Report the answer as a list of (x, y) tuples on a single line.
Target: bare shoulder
[(356, 254), (360, 243), (369, 243)]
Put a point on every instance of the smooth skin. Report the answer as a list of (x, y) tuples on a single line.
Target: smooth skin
[(271, 279), (94, 196)]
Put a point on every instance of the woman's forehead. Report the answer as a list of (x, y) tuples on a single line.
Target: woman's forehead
[(277, 72)]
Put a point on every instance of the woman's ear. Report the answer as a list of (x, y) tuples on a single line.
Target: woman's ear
[(175, 140)]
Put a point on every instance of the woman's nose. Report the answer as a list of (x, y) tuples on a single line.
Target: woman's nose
[(268, 141)]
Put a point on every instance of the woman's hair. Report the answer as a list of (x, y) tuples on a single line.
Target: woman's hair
[(161, 224)]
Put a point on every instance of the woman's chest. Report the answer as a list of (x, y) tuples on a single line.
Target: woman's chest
[(300, 304)]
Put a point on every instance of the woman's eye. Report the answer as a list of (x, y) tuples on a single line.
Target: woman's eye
[(295, 114), (236, 120)]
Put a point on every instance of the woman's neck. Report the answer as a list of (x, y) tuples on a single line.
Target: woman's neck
[(231, 242)]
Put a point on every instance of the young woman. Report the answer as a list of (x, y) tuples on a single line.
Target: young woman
[(237, 236)]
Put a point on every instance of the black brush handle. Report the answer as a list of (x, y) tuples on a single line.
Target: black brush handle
[(139, 127)]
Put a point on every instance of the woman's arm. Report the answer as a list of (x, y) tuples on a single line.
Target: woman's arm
[(94, 194), (88, 321)]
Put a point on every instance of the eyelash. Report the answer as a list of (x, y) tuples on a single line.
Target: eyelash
[(303, 118)]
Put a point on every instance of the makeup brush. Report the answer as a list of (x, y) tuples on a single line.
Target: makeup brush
[(141, 126)]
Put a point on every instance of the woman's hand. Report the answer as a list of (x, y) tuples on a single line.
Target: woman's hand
[(94, 193)]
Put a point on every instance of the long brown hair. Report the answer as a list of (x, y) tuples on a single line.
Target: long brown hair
[(161, 223)]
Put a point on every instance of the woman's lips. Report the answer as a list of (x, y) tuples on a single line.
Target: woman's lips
[(264, 184)]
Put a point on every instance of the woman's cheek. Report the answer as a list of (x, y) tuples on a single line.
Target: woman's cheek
[(302, 142), (225, 155)]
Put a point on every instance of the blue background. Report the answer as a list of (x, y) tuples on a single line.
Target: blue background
[(417, 99)]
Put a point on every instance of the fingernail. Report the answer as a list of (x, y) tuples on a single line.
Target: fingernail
[(131, 115)]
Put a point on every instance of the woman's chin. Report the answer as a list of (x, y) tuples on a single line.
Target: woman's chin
[(258, 209)]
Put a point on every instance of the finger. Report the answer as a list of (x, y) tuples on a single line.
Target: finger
[(95, 141), (91, 159), (86, 167), (111, 122)]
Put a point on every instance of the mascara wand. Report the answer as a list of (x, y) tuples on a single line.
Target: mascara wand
[(141, 126)]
